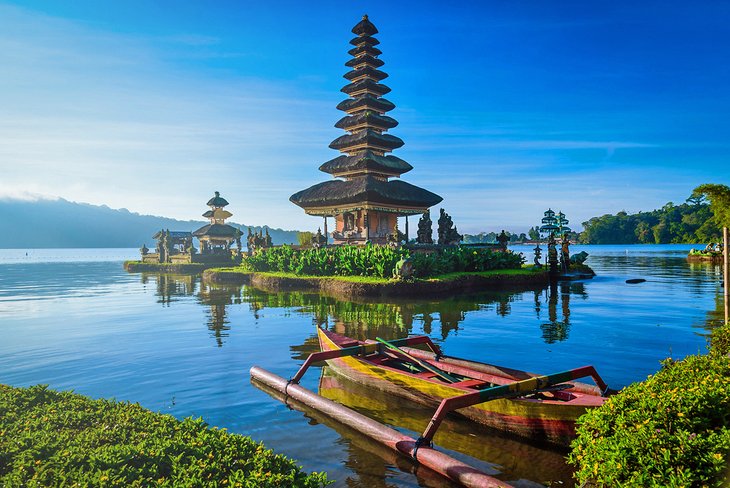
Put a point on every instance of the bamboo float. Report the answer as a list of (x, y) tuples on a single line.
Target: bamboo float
[(437, 461)]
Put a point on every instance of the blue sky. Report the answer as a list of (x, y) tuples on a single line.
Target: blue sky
[(506, 108)]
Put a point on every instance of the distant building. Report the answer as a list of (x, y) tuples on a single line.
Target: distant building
[(363, 200), (215, 238)]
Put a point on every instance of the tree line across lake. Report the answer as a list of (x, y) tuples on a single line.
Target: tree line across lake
[(698, 220)]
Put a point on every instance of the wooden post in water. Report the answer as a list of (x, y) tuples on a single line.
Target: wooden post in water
[(726, 272)]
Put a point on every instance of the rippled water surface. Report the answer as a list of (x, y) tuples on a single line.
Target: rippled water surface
[(74, 319)]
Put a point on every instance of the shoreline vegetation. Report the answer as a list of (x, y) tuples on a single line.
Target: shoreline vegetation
[(672, 429), (367, 286), (372, 271), (51, 438), (699, 220), (380, 271), (698, 255)]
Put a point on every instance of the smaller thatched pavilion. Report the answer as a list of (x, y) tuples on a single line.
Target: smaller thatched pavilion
[(217, 237)]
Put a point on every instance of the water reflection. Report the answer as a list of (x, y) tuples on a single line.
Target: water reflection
[(369, 319), (441, 318), (217, 298), (556, 329), (171, 287), (390, 320)]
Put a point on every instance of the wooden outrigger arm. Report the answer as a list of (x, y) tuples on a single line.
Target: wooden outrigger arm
[(363, 349), (510, 390)]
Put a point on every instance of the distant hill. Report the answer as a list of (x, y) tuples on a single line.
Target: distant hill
[(60, 223)]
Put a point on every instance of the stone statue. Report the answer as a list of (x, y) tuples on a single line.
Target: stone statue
[(396, 237), (448, 235), (319, 239), (538, 255), (425, 229), (143, 250), (565, 253), (579, 258), (239, 246), (403, 269), (159, 247), (168, 246), (250, 241), (503, 239), (268, 242), (552, 255)]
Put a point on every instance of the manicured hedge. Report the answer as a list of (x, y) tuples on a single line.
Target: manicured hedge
[(671, 430), (463, 260), (50, 438), (377, 261), (370, 260)]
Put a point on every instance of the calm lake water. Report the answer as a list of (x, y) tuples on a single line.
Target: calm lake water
[(74, 319)]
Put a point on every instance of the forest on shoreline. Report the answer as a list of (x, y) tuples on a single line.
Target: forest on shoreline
[(698, 220), (671, 224)]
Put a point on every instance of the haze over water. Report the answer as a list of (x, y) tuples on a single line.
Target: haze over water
[(74, 319)]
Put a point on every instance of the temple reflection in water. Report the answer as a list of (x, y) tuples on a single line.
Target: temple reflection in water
[(369, 319), (557, 295)]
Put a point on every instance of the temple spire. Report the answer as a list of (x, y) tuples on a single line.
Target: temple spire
[(366, 203)]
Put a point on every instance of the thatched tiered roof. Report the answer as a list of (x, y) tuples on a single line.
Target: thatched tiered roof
[(365, 164), (217, 229), (350, 195)]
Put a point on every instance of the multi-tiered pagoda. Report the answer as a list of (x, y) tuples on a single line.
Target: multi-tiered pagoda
[(217, 236), (362, 198)]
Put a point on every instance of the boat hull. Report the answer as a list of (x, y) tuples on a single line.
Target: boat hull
[(534, 419)]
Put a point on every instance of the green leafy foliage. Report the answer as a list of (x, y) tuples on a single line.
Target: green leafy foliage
[(369, 260), (719, 196), (377, 261), (720, 341), (50, 438), (462, 259), (689, 222), (671, 430), (305, 238)]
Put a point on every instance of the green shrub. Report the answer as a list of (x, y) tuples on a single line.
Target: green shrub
[(462, 259), (668, 431), (50, 438), (369, 260), (720, 341), (377, 261)]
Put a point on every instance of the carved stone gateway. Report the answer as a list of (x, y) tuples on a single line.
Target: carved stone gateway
[(424, 235)]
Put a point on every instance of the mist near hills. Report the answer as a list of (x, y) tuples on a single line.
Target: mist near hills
[(64, 224)]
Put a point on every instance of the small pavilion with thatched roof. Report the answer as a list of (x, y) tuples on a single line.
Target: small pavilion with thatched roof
[(217, 237)]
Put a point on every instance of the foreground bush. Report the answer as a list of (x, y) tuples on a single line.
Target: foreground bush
[(377, 261), (462, 259), (671, 430), (50, 438)]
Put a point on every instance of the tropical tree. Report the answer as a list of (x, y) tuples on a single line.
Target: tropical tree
[(719, 196)]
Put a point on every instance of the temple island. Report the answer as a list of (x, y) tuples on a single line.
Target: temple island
[(363, 199), (175, 250), (366, 254)]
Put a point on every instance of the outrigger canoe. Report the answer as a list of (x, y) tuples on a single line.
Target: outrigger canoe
[(531, 406)]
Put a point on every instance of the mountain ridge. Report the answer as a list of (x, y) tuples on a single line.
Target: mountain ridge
[(62, 223)]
